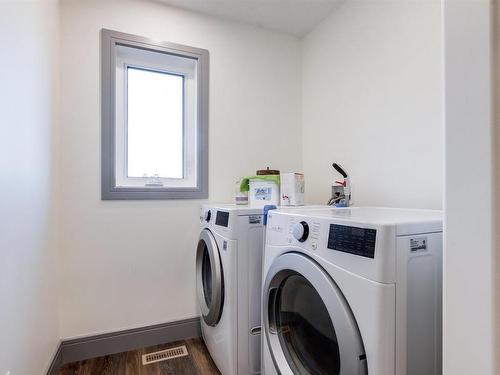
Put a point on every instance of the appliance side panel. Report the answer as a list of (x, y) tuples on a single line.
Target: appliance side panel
[(419, 304), (255, 250), (250, 233)]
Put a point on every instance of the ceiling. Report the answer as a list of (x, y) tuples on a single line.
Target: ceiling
[(296, 17)]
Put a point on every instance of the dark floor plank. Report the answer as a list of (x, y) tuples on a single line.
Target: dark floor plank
[(201, 358), (133, 363), (181, 365), (71, 369), (198, 362)]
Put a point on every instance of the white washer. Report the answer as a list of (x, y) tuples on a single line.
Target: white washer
[(229, 274), (352, 291)]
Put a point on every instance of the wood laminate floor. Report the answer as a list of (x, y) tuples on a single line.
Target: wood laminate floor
[(198, 362)]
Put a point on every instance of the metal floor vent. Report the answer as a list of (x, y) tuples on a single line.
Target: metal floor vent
[(164, 355)]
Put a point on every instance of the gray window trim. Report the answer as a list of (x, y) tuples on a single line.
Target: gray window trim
[(109, 40)]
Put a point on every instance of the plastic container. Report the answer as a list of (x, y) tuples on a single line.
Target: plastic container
[(240, 197), (263, 192), (292, 189)]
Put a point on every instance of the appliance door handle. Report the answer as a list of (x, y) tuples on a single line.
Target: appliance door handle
[(255, 331)]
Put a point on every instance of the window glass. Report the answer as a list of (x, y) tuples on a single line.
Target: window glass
[(154, 124)]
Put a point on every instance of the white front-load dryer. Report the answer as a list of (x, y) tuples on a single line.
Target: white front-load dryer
[(228, 283), (352, 291)]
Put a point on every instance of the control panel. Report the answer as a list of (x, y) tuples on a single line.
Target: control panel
[(306, 232), (222, 218), (362, 247), (353, 240)]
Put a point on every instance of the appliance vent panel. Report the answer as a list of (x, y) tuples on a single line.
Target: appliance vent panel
[(164, 355)]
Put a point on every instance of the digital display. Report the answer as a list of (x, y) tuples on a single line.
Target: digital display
[(352, 240), (222, 218), (358, 232)]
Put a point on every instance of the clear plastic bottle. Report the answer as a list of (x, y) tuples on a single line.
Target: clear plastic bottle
[(240, 197)]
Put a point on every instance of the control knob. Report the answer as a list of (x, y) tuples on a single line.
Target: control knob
[(300, 231)]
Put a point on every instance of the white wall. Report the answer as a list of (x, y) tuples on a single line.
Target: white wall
[(28, 285), (131, 263), (372, 102), (469, 258)]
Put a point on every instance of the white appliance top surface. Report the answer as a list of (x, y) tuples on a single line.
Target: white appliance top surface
[(249, 210), (239, 209), (372, 215)]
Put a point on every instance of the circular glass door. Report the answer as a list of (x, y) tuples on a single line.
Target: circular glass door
[(304, 328), (206, 276), (210, 284), (308, 324)]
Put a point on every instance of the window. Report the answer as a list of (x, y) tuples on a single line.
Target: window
[(154, 119), (155, 123)]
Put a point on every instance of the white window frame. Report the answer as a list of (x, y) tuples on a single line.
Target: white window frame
[(188, 126), (120, 51), (156, 62)]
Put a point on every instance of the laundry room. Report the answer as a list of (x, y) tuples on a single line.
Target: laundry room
[(249, 187)]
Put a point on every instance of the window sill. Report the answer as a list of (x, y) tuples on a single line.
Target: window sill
[(153, 193)]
